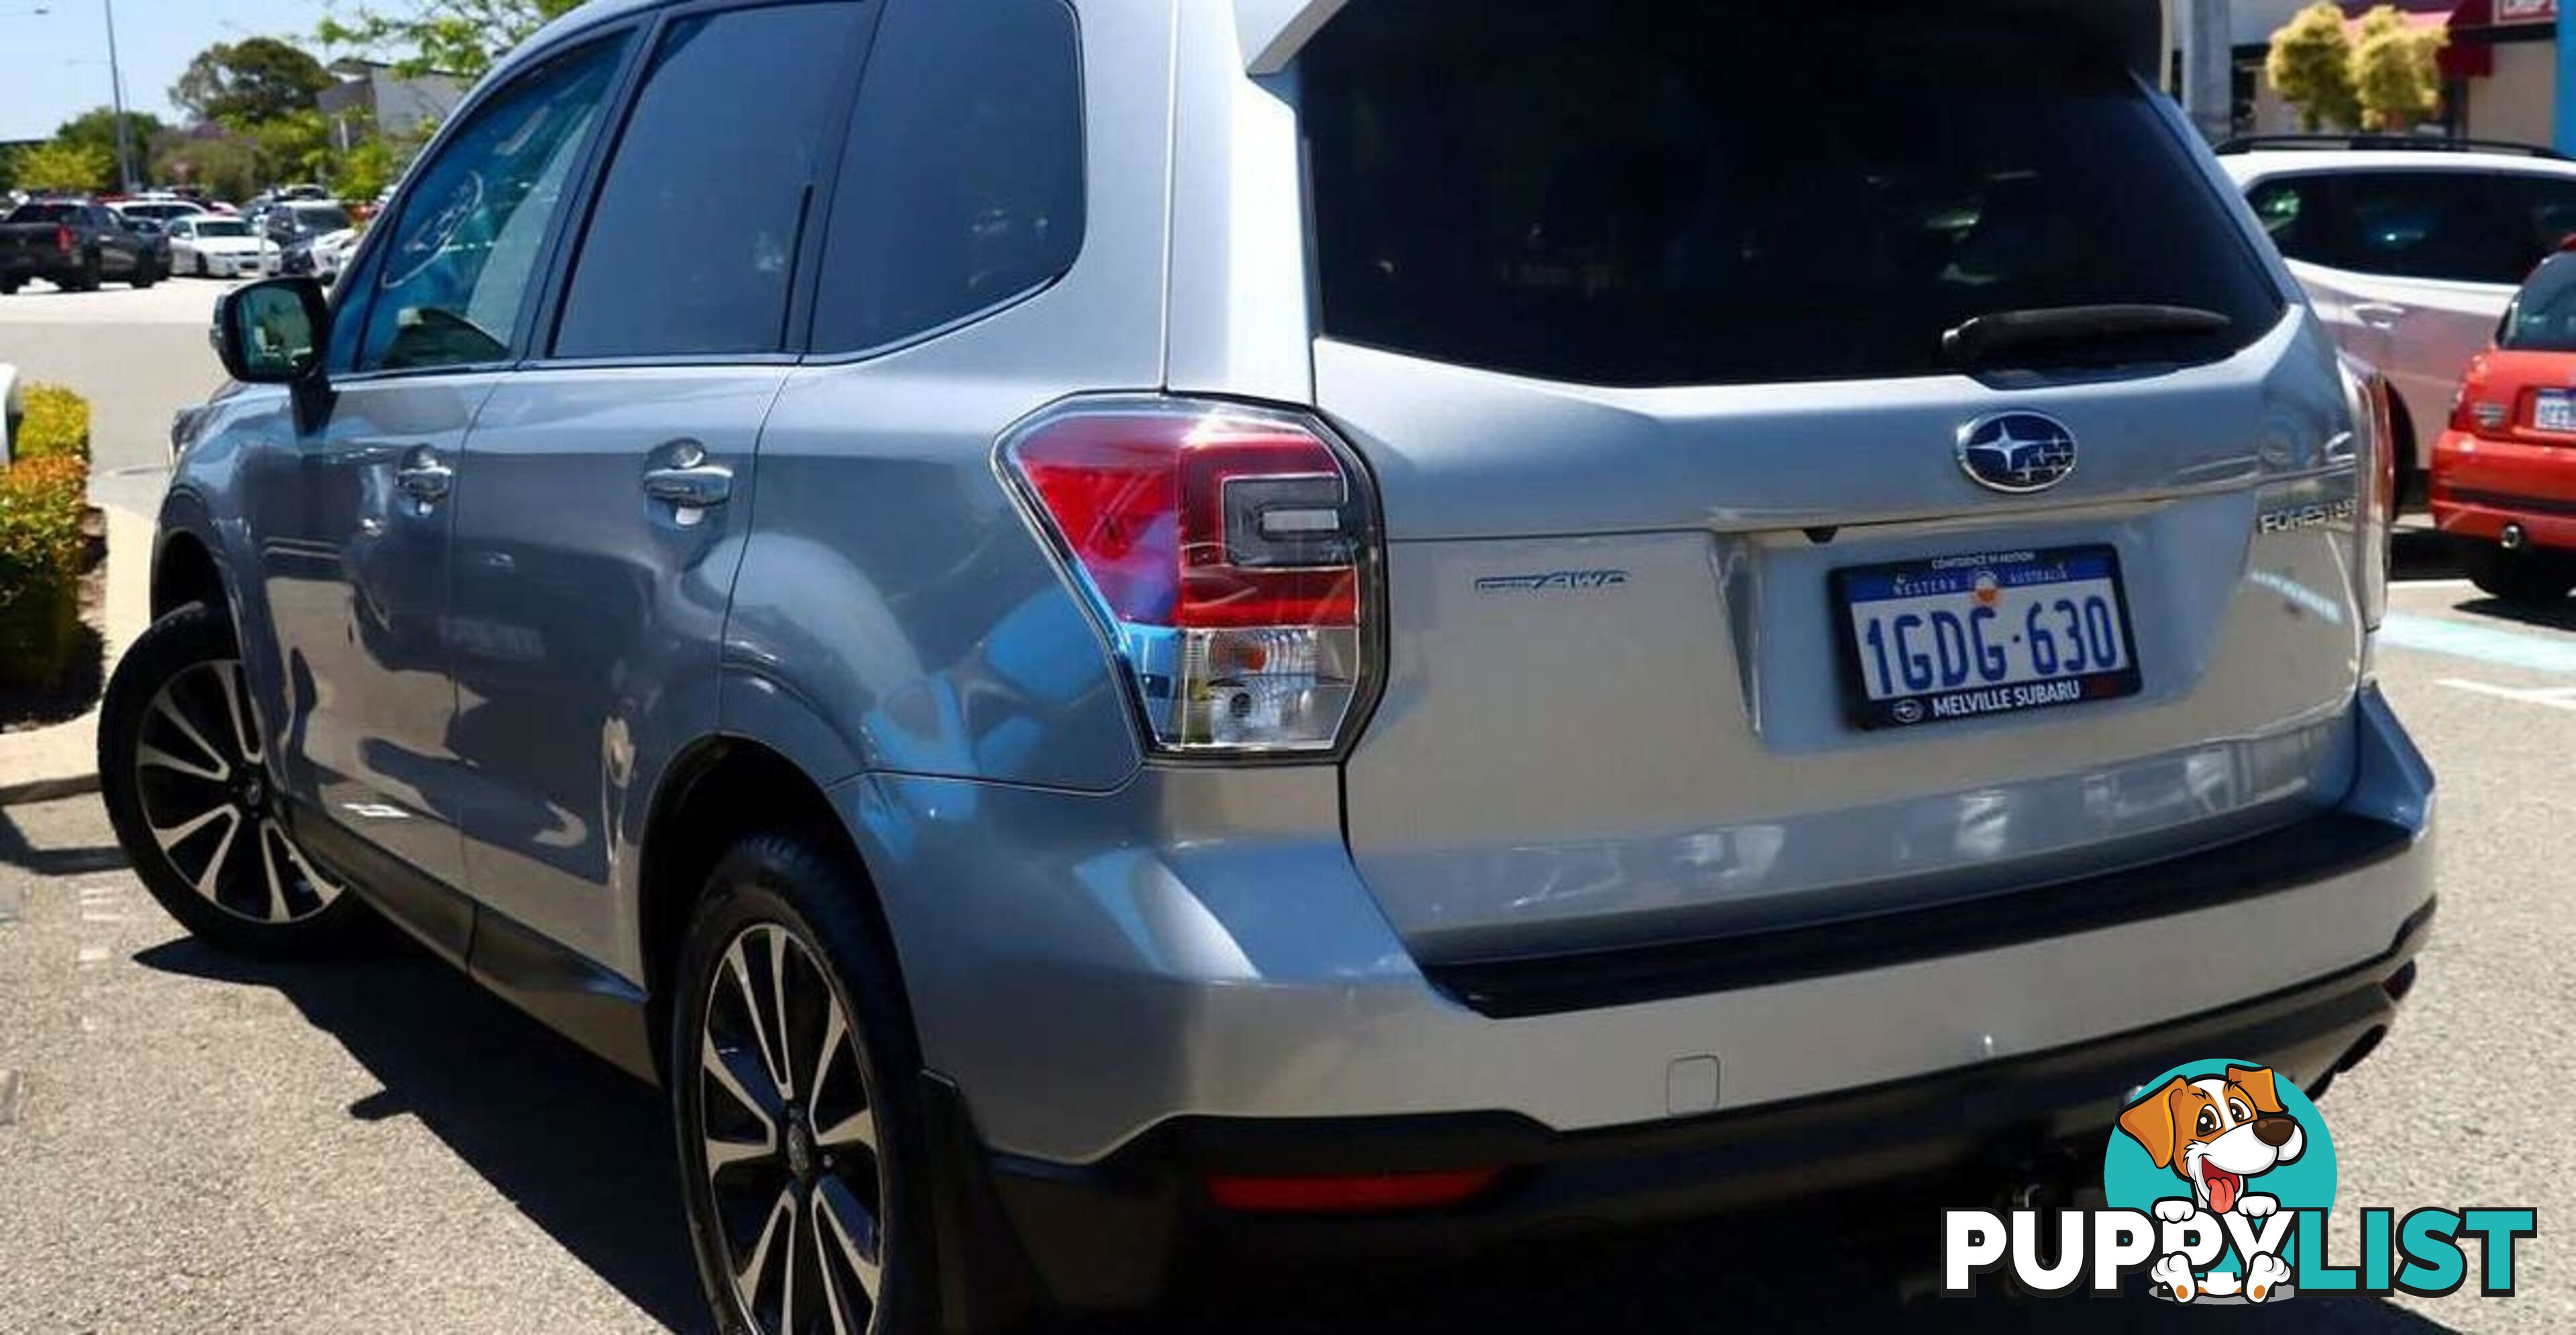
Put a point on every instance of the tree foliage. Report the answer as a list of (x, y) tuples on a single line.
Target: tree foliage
[(2396, 69), (66, 167), (2310, 65), (458, 37), (222, 163), (96, 129), (248, 82)]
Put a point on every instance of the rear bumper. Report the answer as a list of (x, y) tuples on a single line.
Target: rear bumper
[(1118, 992), (2479, 486), (1128, 1230)]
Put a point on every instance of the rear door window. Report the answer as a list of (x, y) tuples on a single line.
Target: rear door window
[(1675, 192), (694, 240)]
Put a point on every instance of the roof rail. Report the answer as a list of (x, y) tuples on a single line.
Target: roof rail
[(2402, 143)]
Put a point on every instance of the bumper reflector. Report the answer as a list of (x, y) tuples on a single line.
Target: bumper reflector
[(1353, 1194)]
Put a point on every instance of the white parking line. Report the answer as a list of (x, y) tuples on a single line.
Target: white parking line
[(2548, 697)]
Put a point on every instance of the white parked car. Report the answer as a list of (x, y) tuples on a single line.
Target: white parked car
[(331, 253), (209, 246), (163, 209), (2409, 249)]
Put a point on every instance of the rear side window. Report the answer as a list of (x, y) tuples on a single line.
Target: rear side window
[(693, 243), (1675, 192), (2543, 315), (961, 187), (2454, 225)]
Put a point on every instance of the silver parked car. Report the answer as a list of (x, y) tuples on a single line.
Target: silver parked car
[(1168, 631)]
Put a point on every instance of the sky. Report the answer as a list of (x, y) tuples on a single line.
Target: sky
[(54, 66)]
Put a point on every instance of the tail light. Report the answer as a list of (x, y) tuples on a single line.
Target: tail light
[(1229, 553), (2374, 460), (63, 240)]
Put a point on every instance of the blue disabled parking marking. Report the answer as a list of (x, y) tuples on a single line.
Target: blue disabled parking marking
[(2486, 644)]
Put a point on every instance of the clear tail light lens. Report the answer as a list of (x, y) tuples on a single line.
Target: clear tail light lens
[(2374, 458), (1227, 550)]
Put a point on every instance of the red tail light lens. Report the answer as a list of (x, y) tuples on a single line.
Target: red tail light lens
[(1225, 547), (63, 240)]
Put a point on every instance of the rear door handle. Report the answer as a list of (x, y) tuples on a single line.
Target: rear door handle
[(689, 480), (425, 477)]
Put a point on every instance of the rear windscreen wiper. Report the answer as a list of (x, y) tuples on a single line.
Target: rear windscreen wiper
[(1978, 341)]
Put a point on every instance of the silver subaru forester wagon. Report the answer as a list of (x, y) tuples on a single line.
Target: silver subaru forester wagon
[(1110, 633)]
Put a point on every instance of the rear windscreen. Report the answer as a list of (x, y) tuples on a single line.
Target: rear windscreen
[(2543, 315), (1674, 192), (46, 213)]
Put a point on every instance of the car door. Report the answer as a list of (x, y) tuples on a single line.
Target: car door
[(355, 533), (119, 247), (609, 482)]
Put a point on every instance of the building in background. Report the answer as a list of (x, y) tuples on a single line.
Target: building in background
[(2499, 73), (371, 99)]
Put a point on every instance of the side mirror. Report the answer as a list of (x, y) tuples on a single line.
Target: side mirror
[(274, 333), (271, 333)]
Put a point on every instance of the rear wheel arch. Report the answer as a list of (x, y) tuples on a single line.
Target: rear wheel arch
[(715, 794)]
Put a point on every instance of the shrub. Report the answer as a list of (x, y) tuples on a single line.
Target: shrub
[(41, 503), (56, 426)]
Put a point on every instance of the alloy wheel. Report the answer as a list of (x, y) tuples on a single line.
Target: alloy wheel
[(792, 1153), (200, 777)]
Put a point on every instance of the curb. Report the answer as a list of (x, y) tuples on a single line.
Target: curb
[(62, 761)]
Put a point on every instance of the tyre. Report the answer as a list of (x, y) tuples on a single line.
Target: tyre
[(9, 288), (793, 1090), (2525, 579), (89, 279), (202, 271), (146, 273), (183, 766)]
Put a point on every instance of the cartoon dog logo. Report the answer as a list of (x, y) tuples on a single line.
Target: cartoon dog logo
[(2217, 1133)]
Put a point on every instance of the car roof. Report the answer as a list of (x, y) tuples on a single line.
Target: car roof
[(2335, 161)]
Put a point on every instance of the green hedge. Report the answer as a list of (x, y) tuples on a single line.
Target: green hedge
[(57, 425), (43, 495)]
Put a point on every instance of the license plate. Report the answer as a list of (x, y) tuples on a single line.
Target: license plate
[(1963, 637), (2554, 410)]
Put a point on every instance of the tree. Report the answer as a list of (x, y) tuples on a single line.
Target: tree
[(2310, 65), (457, 37), (247, 82), (222, 163), (291, 148), (67, 167), (2397, 70), (96, 128)]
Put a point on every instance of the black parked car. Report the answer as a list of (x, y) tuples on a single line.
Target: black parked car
[(77, 244)]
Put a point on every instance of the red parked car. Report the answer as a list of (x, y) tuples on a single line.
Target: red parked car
[(2504, 474)]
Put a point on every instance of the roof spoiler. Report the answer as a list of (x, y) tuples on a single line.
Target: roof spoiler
[(2139, 31)]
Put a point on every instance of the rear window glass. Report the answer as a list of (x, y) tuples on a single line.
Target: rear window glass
[(1674, 192), (47, 213), (2543, 317)]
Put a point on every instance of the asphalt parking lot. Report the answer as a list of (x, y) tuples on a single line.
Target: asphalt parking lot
[(190, 1143)]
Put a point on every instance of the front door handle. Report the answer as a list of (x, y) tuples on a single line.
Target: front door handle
[(425, 478), (2378, 314)]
